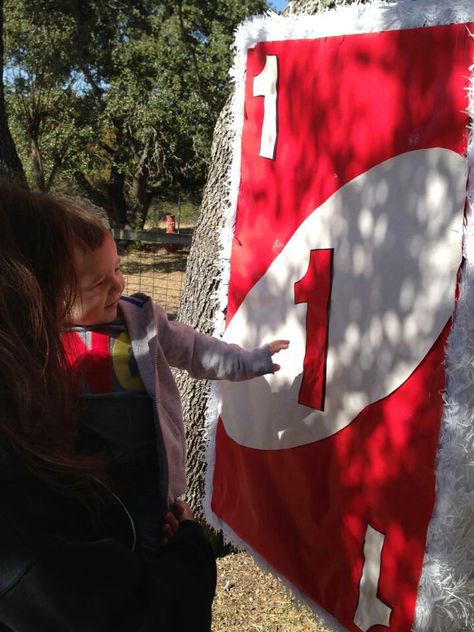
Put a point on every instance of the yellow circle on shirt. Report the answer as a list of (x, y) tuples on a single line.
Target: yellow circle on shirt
[(123, 362)]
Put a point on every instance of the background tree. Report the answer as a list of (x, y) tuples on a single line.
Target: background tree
[(10, 165), (119, 99), (198, 303)]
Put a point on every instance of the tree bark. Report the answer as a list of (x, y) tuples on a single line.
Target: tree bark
[(37, 162), (198, 307), (315, 6), (142, 195), (90, 192), (117, 205), (10, 164), (113, 201)]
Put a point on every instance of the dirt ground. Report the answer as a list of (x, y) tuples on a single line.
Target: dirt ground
[(250, 600)]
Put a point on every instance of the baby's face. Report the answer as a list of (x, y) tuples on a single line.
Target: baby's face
[(100, 284)]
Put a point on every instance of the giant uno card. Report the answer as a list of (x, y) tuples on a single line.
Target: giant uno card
[(349, 195)]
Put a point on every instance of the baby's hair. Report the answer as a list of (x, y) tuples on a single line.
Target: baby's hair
[(89, 225)]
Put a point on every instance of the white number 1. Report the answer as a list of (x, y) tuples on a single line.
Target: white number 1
[(370, 610), (265, 85)]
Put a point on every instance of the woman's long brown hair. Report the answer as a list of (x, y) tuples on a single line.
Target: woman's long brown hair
[(38, 413)]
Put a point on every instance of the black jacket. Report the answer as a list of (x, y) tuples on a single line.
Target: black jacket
[(67, 568)]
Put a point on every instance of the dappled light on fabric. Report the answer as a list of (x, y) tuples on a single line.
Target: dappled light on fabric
[(393, 287), (345, 105), (369, 168)]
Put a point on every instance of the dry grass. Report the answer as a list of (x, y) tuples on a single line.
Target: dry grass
[(250, 600), (155, 271)]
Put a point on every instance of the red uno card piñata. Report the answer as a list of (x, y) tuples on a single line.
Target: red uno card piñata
[(346, 472)]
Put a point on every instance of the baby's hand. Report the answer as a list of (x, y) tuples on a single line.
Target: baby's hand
[(275, 347), (169, 528), (180, 511)]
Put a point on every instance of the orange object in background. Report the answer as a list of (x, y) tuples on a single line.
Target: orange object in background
[(170, 229)]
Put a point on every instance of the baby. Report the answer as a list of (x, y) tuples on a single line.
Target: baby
[(119, 351)]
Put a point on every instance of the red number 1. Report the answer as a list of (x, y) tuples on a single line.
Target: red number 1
[(315, 290)]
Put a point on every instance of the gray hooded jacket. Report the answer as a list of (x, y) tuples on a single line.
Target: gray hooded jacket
[(159, 344)]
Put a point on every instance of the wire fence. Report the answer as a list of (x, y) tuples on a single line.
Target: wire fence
[(154, 263)]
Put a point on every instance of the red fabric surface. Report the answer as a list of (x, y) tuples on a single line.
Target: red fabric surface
[(94, 363), (345, 104)]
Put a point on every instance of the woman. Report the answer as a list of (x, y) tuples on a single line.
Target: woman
[(68, 552)]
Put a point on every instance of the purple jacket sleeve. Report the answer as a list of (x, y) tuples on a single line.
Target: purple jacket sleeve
[(206, 357)]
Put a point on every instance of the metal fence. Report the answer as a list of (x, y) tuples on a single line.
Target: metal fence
[(154, 262)]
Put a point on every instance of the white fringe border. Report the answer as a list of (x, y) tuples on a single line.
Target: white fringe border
[(445, 601), (445, 598)]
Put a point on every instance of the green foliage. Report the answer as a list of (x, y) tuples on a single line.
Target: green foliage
[(119, 97)]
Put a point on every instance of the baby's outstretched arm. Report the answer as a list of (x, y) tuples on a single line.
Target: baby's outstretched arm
[(209, 358), (275, 347)]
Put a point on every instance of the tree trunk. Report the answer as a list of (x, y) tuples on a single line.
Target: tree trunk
[(198, 306), (113, 202), (142, 196), (10, 164), (58, 160), (315, 6), (91, 193), (37, 162), (117, 205)]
